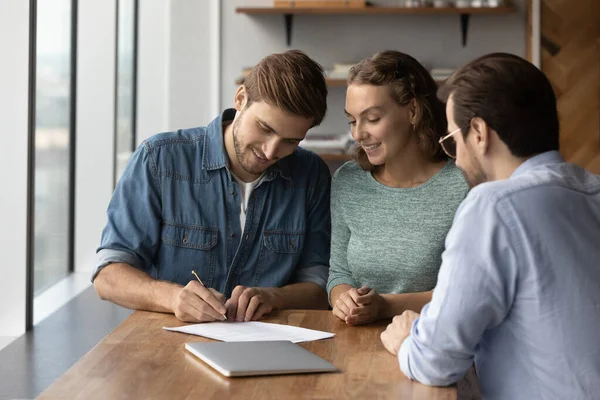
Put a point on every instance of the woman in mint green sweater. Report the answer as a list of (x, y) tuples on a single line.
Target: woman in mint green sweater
[(392, 207)]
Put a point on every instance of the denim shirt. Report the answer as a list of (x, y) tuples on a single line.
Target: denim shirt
[(176, 209)]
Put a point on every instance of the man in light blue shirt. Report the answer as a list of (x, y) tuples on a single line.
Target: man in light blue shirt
[(518, 292)]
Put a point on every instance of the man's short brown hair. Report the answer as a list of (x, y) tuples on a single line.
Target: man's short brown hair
[(512, 96), (291, 81)]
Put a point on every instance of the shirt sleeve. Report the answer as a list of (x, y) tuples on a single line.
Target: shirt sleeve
[(339, 273), (314, 262), (474, 293), (132, 232)]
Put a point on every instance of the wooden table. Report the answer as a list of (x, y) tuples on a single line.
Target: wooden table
[(140, 360)]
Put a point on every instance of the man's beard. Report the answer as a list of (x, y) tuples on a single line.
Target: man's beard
[(238, 147), (476, 176)]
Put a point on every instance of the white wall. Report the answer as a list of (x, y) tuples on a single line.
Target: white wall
[(435, 40), (95, 125), (194, 57), (178, 65), (153, 68), (14, 42)]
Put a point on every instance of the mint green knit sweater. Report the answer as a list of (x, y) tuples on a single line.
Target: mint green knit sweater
[(390, 239)]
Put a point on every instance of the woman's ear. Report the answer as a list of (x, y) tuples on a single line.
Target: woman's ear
[(414, 112)]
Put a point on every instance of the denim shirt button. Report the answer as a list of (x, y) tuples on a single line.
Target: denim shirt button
[(232, 235), (233, 192), (185, 240)]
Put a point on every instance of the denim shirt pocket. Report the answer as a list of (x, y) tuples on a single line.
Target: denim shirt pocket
[(188, 247), (279, 257)]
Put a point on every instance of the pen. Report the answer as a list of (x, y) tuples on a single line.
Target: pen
[(202, 283)]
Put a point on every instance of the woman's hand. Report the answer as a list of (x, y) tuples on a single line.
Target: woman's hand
[(359, 306)]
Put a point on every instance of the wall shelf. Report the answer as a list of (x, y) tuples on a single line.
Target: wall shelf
[(464, 13)]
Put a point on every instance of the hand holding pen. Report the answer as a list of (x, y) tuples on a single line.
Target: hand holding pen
[(197, 303), (202, 283)]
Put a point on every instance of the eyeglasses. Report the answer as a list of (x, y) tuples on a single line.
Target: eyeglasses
[(449, 144)]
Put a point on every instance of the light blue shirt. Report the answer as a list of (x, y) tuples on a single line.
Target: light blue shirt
[(518, 291)]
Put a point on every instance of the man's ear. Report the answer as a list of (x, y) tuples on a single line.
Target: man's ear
[(241, 98), (481, 135)]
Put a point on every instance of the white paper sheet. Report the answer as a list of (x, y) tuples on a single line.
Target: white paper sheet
[(251, 332)]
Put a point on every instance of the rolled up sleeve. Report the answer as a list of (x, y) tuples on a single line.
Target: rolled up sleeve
[(105, 257), (132, 231), (316, 274)]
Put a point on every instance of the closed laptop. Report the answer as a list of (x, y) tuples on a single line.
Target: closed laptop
[(258, 358)]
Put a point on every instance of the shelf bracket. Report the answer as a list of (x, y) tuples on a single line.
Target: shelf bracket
[(289, 18), (464, 27)]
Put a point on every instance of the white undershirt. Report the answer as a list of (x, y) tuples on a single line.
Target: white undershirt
[(246, 188)]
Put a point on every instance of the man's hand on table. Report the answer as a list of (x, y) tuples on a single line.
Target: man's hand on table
[(249, 303), (396, 332)]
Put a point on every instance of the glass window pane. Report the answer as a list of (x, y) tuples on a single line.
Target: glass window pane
[(52, 143), (125, 124)]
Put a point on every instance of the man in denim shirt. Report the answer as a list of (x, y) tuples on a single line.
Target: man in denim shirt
[(237, 202)]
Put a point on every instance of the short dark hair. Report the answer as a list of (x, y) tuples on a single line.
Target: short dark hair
[(291, 81), (512, 96), (406, 79)]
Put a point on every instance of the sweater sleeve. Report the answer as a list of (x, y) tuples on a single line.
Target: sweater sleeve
[(339, 273)]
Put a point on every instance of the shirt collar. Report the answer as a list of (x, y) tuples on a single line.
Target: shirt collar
[(548, 157), (282, 167), (214, 148), (215, 156)]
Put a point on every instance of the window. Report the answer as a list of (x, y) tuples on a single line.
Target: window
[(54, 142), (125, 108)]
